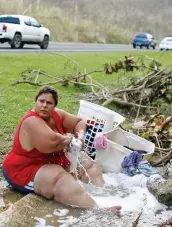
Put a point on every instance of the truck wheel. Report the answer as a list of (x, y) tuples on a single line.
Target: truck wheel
[(16, 41), (22, 44), (45, 42)]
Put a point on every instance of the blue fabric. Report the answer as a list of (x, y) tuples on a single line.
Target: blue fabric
[(147, 169), (134, 164), (130, 163), (15, 186)]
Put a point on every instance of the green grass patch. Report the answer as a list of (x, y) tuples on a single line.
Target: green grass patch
[(16, 100)]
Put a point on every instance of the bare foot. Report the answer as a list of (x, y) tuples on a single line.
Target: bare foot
[(115, 209)]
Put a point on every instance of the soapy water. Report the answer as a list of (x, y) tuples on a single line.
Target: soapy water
[(129, 192), (3, 184)]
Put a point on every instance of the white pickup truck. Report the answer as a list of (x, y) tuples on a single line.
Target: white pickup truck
[(18, 30)]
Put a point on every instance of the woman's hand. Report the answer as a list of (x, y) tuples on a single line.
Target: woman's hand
[(69, 135), (81, 136), (65, 141)]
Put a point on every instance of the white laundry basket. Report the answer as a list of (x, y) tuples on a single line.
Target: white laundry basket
[(98, 119), (118, 143), (91, 111)]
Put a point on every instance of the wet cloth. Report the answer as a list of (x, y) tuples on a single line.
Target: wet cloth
[(146, 169), (134, 164), (100, 142), (131, 162)]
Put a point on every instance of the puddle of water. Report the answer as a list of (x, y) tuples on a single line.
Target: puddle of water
[(3, 185), (55, 214), (7, 195), (2, 204)]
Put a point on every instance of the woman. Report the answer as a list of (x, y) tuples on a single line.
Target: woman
[(37, 161)]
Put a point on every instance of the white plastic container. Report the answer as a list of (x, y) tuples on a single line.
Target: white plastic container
[(98, 119), (111, 158), (100, 114)]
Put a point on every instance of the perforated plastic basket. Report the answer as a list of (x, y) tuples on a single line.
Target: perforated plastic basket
[(91, 111), (98, 119)]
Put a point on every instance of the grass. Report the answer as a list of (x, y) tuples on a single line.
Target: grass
[(16, 100)]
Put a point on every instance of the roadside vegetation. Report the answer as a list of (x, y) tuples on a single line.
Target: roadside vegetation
[(101, 21), (15, 100)]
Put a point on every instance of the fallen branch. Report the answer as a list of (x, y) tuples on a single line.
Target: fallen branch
[(164, 160), (140, 94), (157, 81), (163, 149), (136, 222), (123, 103), (37, 84), (31, 72), (165, 123), (67, 57), (150, 120)]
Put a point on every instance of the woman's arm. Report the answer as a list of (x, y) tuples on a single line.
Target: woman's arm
[(72, 124), (35, 132)]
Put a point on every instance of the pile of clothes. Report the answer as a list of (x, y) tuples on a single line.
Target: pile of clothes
[(135, 164)]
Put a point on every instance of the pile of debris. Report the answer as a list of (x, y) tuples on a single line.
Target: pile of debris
[(144, 92), (157, 129), (152, 84)]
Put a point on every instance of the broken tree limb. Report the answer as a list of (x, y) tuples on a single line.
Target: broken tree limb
[(34, 72), (157, 81), (139, 93), (123, 103), (163, 161), (37, 83), (163, 149), (165, 123), (37, 76)]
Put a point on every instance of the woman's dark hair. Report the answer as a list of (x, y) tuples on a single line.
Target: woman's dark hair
[(48, 90)]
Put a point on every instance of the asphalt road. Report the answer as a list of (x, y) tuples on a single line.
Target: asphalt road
[(71, 47)]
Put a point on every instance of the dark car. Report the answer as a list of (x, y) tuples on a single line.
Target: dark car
[(144, 40)]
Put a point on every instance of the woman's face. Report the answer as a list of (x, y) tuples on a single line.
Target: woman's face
[(45, 106)]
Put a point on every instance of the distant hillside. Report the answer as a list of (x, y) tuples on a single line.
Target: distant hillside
[(99, 20), (154, 16)]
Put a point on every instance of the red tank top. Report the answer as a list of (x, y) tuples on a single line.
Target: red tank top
[(21, 165)]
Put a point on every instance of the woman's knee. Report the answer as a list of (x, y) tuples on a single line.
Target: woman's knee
[(45, 179), (95, 169), (86, 161), (65, 185), (47, 172)]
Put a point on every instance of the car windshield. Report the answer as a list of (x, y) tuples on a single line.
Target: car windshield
[(168, 39), (11, 20), (141, 36)]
